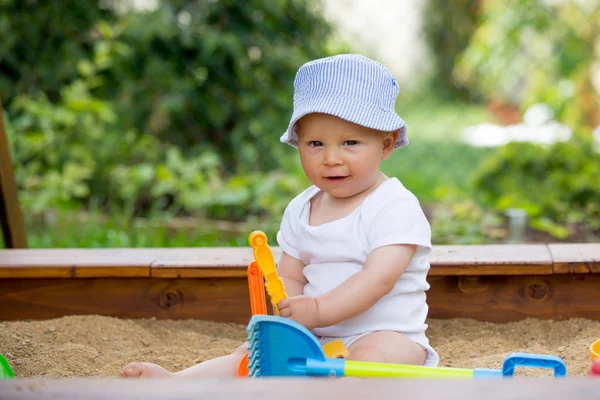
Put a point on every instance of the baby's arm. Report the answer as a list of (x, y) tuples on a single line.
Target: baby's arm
[(380, 273), (290, 271)]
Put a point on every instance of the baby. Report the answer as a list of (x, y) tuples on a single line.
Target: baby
[(355, 244)]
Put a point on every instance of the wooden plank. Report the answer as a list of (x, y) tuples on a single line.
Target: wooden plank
[(222, 300), (11, 217), (486, 298), (77, 263), (491, 260), (205, 262), (575, 258), (512, 298), (232, 262), (300, 389)]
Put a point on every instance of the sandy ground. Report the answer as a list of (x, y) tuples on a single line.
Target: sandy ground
[(95, 346)]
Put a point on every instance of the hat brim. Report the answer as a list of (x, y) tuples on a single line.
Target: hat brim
[(351, 110)]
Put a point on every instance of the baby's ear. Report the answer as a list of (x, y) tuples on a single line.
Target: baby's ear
[(389, 143)]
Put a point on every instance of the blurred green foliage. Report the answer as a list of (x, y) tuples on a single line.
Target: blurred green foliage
[(122, 121), (41, 41), (170, 110), (459, 220), (558, 186), (529, 51), (448, 27), (214, 74)]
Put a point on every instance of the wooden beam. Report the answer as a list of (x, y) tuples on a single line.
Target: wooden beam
[(513, 298), (78, 263), (221, 300), (575, 258), (11, 218), (491, 259), (489, 283), (485, 298), (300, 389), (208, 262)]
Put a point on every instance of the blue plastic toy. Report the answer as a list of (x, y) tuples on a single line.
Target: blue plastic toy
[(281, 347)]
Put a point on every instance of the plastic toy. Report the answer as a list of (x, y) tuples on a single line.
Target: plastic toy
[(256, 289), (281, 347), (258, 305), (6, 371), (595, 353), (595, 370), (595, 350), (266, 262)]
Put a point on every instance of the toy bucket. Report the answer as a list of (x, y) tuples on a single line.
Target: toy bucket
[(595, 350)]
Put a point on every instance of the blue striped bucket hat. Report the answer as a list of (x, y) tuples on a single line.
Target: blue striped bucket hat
[(349, 86)]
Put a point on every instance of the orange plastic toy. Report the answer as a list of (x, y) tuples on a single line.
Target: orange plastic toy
[(595, 350), (256, 288), (258, 305), (262, 271), (266, 262)]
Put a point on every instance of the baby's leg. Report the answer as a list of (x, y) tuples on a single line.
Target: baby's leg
[(387, 347), (222, 367)]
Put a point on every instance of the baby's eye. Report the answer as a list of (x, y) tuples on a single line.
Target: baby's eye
[(350, 142), (315, 143)]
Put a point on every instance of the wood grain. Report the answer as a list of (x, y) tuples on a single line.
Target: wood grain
[(300, 389), (491, 260), (222, 300), (209, 262), (575, 258), (77, 263), (232, 262), (512, 298), (486, 298)]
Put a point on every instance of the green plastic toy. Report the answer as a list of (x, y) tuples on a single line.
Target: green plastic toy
[(6, 371)]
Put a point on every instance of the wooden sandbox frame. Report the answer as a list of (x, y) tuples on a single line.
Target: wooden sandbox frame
[(496, 283)]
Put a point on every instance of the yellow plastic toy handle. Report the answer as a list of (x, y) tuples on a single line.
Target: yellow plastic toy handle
[(361, 369), (266, 263)]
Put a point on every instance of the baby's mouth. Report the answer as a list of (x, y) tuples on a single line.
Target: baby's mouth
[(336, 178)]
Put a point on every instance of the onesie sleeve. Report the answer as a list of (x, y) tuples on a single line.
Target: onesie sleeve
[(286, 237), (399, 221)]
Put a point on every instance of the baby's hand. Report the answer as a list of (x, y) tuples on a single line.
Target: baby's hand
[(302, 309)]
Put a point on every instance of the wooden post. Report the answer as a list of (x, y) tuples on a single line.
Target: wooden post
[(11, 218)]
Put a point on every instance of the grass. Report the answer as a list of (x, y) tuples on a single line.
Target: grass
[(436, 161), (93, 230), (428, 117), (429, 168)]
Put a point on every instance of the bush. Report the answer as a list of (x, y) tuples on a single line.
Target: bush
[(177, 110), (215, 74), (41, 42), (529, 51), (558, 186)]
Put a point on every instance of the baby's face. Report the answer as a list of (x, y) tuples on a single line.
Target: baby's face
[(340, 157)]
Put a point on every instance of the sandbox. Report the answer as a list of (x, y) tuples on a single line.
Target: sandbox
[(75, 313)]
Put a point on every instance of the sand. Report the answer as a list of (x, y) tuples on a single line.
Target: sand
[(96, 346)]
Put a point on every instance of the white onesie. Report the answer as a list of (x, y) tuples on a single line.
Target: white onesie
[(334, 251)]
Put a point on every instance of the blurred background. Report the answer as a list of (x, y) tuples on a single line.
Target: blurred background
[(154, 123)]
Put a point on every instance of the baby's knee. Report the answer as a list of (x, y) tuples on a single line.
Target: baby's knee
[(367, 353)]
